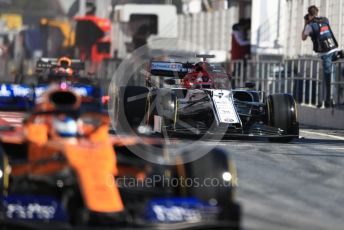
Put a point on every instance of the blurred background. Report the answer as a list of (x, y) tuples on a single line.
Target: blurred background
[(47, 27), (104, 31)]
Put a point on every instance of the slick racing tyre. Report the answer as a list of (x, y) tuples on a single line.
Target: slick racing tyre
[(215, 180), (4, 169), (282, 113), (130, 107)]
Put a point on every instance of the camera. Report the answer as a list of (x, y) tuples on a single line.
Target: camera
[(306, 17), (338, 55)]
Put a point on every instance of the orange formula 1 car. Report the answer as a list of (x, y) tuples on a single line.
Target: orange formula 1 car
[(62, 169)]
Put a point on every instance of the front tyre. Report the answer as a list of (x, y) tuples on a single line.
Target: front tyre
[(282, 114), (131, 107), (215, 180)]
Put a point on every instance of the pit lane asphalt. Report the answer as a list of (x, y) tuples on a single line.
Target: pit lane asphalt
[(299, 185)]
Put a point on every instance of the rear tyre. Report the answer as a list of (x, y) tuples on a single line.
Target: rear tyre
[(4, 179), (130, 107), (282, 113)]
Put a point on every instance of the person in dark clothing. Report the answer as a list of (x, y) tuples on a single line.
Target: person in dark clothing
[(241, 47), (325, 44)]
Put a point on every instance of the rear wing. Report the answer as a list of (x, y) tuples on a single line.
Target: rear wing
[(205, 56), (48, 63), (168, 69)]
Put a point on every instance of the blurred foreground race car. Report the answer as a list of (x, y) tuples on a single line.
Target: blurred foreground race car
[(62, 170), (197, 99)]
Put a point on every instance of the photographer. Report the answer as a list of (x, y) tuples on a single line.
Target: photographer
[(325, 44)]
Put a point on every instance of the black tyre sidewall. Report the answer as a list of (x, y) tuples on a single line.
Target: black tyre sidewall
[(130, 112), (282, 114)]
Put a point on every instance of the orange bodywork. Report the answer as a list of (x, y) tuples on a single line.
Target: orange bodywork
[(96, 174), (92, 158), (91, 155)]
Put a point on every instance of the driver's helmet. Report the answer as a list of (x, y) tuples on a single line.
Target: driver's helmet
[(64, 67), (65, 126), (203, 67)]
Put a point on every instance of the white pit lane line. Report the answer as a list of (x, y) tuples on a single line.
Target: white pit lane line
[(323, 135)]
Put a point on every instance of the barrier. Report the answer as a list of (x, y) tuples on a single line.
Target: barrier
[(301, 78)]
